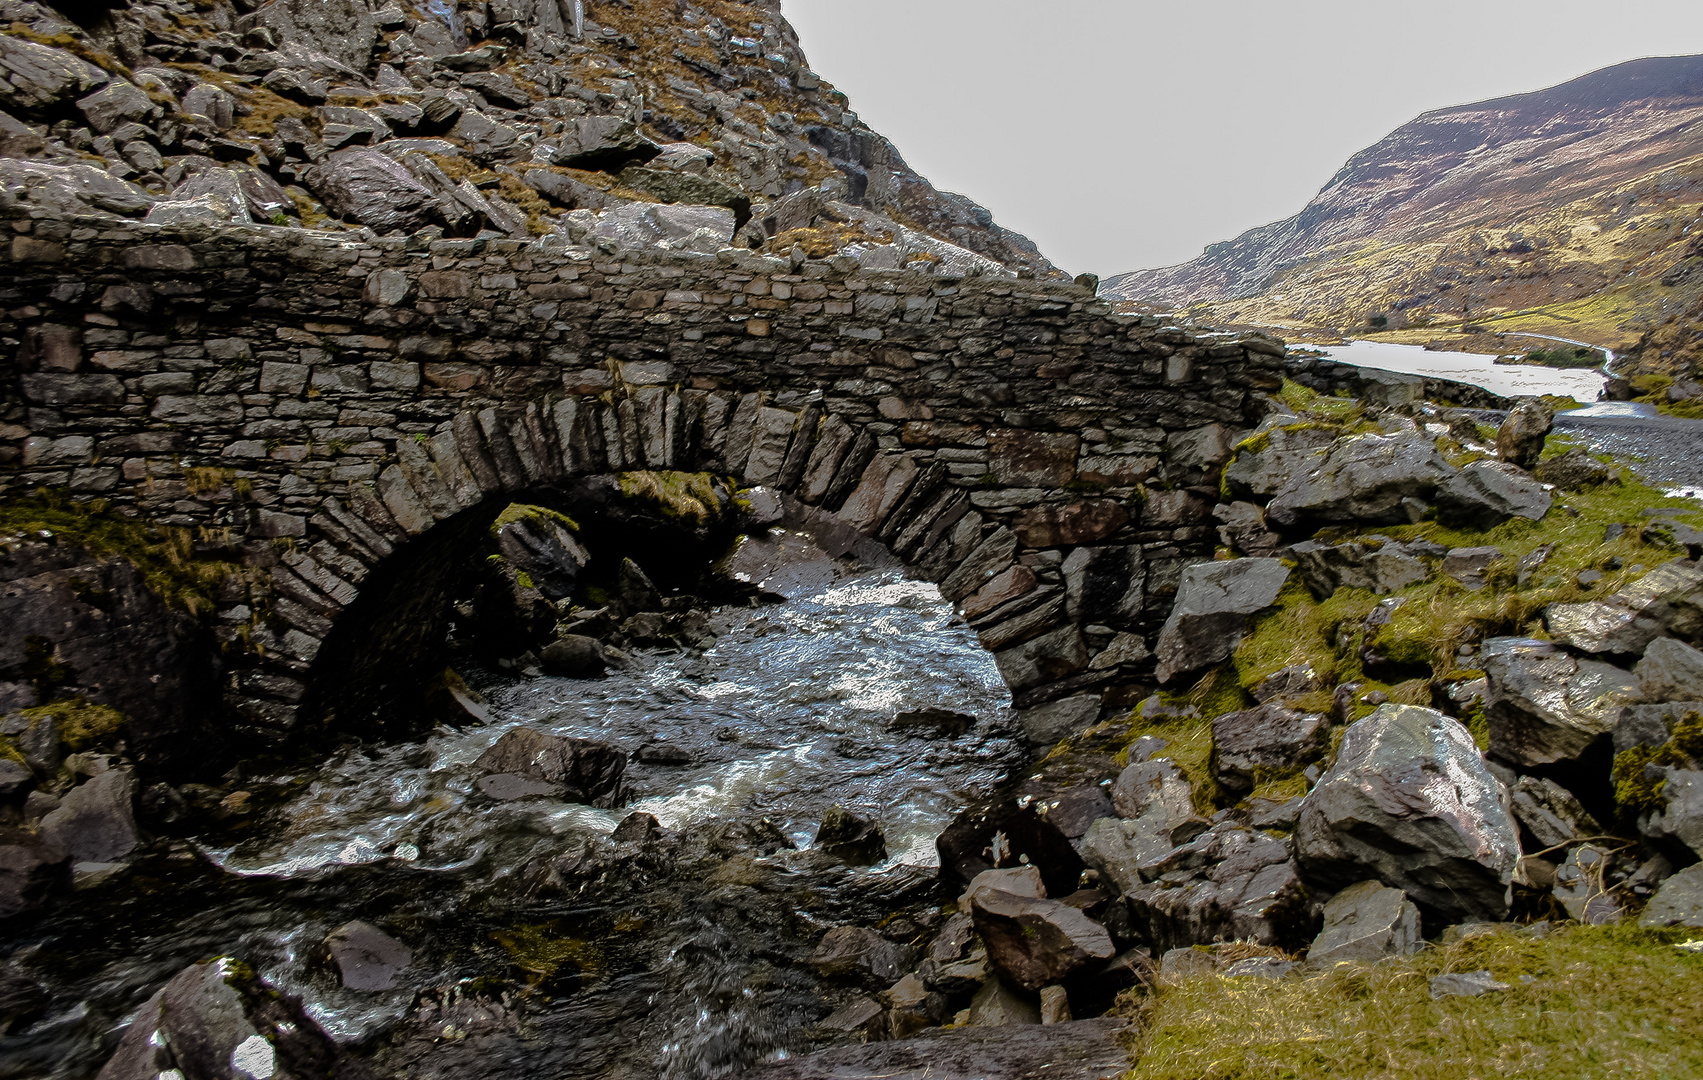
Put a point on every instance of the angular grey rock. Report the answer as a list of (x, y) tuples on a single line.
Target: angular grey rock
[(541, 546), (1185, 962), (1543, 705), (1520, 438), (1291, 682), (1666, 602), (1378, 568), (638, 592), (1679, 901), (1214, 602), (114, 104), (704, 229), (1671, 670), (1266, 738), (1016, 880), (1573, 471), (1243, 528), (366, 957), (997, 1005), (1468, 565), (1033, 941), (1464, 984), (581, 770), (1366, 921), (859, 1015), (1120, 849), (1376, 479), (574, 656), (859, 953), (16, 778), (1046, 724), (375, 191), (34, 77), (71, 190), (1259, 967), (1228, 884), (1146, 785), (96, 822), (1650, 725), (218, 1019), (204, 210), (1486, 493), (1410, 803), (1680, 821), (343, 30), (1551, 812), (1284, 456)]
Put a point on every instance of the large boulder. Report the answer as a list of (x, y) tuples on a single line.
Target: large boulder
[(217, 1020), (1486, 493), (1210, 616), (34, 77), (1366, 921), (1679, 901), (600, 144), (1671, 670), (1410, 803), (1544, 705), (1228, 884), (1274, 457), (1666, 602), (1376, 479), (1264, 739), (1033, 941), (1520, 438), (1374, 564), (578, 770), (705, 229), (373, 190), (70, 190), (541, 544)]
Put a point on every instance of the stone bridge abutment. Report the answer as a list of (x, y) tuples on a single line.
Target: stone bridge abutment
[(315, 406)]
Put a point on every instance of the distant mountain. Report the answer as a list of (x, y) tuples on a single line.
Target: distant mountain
[(1570, 210)]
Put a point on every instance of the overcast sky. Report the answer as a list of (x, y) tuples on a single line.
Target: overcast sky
[(1127, 134)]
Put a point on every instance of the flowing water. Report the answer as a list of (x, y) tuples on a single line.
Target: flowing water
[(1510, 380), (679, 960)]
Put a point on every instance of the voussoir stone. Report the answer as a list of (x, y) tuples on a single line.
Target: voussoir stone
[(1411, 803), (1214, 603)]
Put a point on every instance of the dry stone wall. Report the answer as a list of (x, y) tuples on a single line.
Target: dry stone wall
[(316, 403)]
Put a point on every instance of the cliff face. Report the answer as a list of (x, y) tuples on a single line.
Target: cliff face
[(469, 116), (1584, 190)]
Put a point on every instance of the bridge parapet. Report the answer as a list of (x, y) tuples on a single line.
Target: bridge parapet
[(321, 402)]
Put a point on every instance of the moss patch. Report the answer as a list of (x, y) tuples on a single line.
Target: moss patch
[(82, 725), (516, 512), (1602, 1004), (700, 498), (542, 952), (1636, 792)]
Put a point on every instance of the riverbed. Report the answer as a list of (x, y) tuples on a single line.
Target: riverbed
[(789, 713)]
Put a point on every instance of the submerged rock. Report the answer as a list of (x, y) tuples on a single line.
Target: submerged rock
[(853, 839), (1410, 803), (366, 957), (578, 770), (861, 954), (574, 656)]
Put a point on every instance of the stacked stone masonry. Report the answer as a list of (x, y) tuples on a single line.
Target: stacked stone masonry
[(1036, 455)]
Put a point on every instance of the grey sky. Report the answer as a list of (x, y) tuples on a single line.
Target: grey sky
[(1126, 134)]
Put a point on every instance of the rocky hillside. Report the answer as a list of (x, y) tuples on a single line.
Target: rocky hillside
[(512, 118), (1566, 211)]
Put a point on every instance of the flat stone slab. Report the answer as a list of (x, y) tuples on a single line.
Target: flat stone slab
[(1080, 1050)]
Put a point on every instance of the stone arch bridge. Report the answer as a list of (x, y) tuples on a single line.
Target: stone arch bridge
[(327, 403)]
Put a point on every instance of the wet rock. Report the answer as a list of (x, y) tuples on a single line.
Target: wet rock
[(1464, 984), (1486, 493), (1666, 602), (998, 1005), (1545, 706), (938, 721), (1377, 567), (96, 822), (1573, 471), (1671, 670), (1366, 921), (1520, 438), (30, 870), (663, 753), (1551, 812), (949, 944), (1410, 803), (1211, 612), (1228, 884), (912, 1006), (1376, 479), (1679, 901), (858, 953), (1679, 824), (507, 787), (366, 957), (850, 838), (574, 656), (373, 190), (20, 998), (861, 1015), (1016, 880), (1073, 810), (579, 770), (1268, 738), (999, 833), (637, 591), (217, 1020), (637, 827)]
